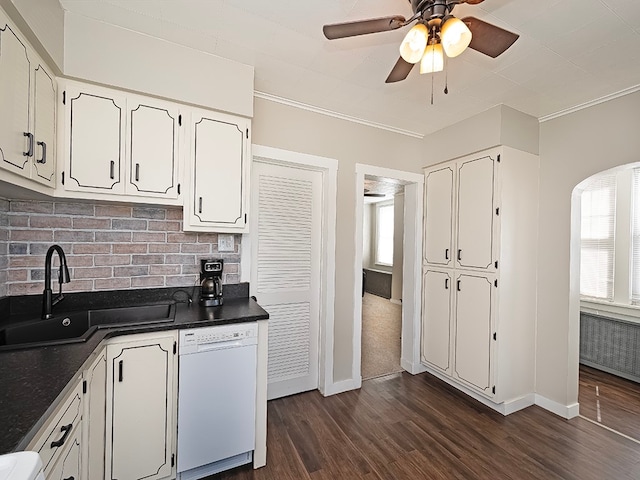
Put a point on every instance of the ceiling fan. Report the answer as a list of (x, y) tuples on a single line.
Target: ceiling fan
[(435, 32)]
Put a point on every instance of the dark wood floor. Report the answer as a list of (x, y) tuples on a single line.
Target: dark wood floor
[(418, 427), (610, 400)]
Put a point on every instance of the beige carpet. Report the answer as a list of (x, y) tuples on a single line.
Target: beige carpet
[(381, 330)]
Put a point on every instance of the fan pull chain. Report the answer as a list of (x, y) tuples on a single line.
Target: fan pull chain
[(446, 75), (431, 88)]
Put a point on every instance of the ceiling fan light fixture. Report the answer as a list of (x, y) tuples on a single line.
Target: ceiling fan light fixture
[(433, 59), (455, 36), (413, 46)]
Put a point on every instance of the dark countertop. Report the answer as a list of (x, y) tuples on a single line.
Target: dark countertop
[(32, 381)]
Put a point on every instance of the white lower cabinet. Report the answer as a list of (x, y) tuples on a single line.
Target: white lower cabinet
[(59, 441), (141, 407), (479, 275), (95, 402)]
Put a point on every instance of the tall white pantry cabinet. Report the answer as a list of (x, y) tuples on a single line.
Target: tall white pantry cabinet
[(479, 275)]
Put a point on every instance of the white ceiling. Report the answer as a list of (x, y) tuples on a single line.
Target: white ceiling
[(570, 52)]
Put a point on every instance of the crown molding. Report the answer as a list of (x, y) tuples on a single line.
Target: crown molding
[(330, 113), (591, 103)]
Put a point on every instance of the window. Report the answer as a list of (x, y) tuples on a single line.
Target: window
[(384, 234), (598, 238)]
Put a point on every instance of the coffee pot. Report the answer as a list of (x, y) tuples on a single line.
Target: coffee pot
[(211, 282)]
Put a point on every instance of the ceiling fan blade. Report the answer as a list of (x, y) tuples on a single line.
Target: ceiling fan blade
[(400, 71), (363, 27), (488, 38)]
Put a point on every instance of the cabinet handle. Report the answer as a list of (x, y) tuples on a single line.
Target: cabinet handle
[(446, 254), (66, 430), (446, 284), (112, 169), (70, 478), (459, 254), (44, 153), (29, 152), (200, 205), (458, 285), (137, 172), (120, 367)]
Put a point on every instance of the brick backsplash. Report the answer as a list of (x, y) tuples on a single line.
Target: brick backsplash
[(108, 247)]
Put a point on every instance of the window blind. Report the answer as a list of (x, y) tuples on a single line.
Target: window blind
[(598, 238), (635, 239)]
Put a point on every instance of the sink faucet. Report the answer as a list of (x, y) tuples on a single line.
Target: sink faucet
[(47, 296)]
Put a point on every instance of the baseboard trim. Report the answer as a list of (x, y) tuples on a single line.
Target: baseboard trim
[(564, 411), (521, 403), (412, 368), (396, 301), (342, 386)]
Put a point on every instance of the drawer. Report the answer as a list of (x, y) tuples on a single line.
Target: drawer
[(67, 465), (59, 431)]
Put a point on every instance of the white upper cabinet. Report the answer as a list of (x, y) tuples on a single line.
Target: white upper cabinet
[(28, 106), (220, 173), (476, 213), (439, 215), (120, 143)]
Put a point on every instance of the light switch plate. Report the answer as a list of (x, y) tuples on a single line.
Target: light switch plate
[(225, 243)]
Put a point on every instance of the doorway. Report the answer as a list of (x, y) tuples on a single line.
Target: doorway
[(411, 264), (382, 254), (605, 238)]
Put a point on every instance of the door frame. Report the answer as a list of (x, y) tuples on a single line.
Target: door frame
[(412, 269), (329, 169)]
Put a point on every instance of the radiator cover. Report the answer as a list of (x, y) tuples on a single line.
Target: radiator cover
[(611, 345)]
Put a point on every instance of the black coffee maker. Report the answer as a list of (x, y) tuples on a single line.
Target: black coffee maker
[(211, 282)]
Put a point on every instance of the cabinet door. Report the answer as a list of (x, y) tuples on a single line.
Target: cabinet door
[(220, 171), (152, 145), (473, 331), (15, 84), (69, 465), (436, 319), (44, 121), (94, 141), (438, 227), (94, 417), (140, 412), (475, 213)]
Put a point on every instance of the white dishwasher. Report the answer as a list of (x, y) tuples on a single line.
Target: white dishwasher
[(216, 398)]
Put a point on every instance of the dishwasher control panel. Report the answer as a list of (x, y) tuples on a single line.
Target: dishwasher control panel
[(239, 333)]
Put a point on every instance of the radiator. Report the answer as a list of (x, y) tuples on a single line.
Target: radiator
[(611, 345)]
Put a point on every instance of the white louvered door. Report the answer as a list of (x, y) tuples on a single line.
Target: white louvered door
[(287, 218)]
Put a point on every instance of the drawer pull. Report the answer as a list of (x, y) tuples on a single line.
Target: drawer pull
[(66, 430), (70, 478), (29, 152)]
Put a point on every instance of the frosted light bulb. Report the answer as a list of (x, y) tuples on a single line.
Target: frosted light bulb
[(414, 43), (455, 37)]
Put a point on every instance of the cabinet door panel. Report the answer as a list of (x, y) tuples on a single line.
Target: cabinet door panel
[(219, 165), (95, 154), (44, 118), (15, 82), (475, 213), (473, 331), (95, 408), (153, 140), (140, 410), (438, 216), (436, 325)]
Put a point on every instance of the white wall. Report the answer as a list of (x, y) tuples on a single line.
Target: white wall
[(572, 148), (398, 247), (289, 128), (115, 56)]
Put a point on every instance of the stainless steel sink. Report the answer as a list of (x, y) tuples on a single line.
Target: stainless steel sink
[(77, 327)]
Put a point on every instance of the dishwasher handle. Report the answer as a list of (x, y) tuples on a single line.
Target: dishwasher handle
[(210, 347)]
